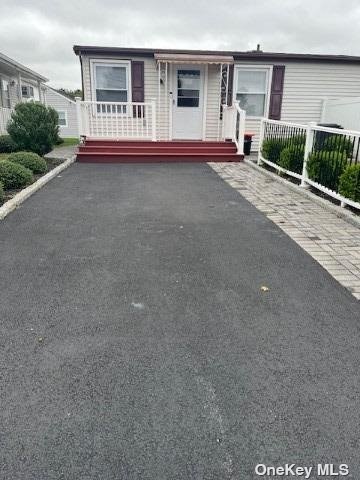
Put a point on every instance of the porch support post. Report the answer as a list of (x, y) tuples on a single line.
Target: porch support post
[(39, 88), (227, 85), (220, 85), (159, 97), (19, 87)]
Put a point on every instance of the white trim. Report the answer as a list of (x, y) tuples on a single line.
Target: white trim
[(205, 93), (66, 118), (255, 67), (171, 100), (109, 62)]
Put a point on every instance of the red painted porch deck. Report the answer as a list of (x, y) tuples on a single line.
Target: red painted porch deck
[(134, 151)]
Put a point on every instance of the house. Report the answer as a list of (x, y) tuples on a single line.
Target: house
[(192, 95), (21, 84), (17, 83), (66, 109)]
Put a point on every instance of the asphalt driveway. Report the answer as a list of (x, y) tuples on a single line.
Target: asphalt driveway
[(136, 342)]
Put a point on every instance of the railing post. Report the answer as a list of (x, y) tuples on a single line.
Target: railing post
[(224, 120), (241, 131), (308, 147), (79, 116), (261, 139), (153, 120)]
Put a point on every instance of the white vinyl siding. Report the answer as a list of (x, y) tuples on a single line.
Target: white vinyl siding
[(305, 85), (62, 104)]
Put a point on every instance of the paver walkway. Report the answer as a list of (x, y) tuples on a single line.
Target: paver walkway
[(330, 240)]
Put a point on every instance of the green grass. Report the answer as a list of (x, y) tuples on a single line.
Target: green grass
[(68, 142), (3, 156)]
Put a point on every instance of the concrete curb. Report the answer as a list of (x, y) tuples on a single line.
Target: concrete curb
[(326, 204), (20, 197)]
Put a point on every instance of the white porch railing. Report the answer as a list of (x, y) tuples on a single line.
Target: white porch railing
[(333, 150), (233, 125), (5, 115), (120, 120)]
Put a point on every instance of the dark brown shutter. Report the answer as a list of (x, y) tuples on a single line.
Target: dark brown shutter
[(277, 86), (137, 84), (231, 84)]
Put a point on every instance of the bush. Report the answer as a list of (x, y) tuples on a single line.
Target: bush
[(339, 143), (292, 158), (59, 141), (34, 127), (326, 167), (349, 183), (30, 160), (2, 195), (7, 144), (13, 175), (271, 149)]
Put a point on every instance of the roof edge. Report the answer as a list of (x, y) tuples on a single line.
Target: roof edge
[(252, 55)]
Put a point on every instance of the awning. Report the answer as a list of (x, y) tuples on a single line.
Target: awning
[(191, 58)]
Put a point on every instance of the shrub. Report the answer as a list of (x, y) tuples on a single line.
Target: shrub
[(30, 160), (271, 149), (339, 143), (7, 144), (2, 195), (299, 139), (349, 183), (34, 127), (59, 141), (292, 158), (13, 175), (326, 167)]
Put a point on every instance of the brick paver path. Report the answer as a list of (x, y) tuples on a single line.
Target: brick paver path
[(330, 240)]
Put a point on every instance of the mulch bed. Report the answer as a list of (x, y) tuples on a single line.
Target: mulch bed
[(51, 163)]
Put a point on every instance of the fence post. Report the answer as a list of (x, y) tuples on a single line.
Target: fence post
[(308, 147), (79, 116), (153, 120), (262, 130)]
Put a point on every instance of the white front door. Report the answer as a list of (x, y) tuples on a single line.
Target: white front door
[(188, 100)]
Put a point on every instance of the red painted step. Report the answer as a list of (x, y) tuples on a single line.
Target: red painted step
[(165, 157), (156, 149), (111, 151)]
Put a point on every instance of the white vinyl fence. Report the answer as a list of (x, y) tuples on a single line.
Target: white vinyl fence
[(5, 115), (333, 150)]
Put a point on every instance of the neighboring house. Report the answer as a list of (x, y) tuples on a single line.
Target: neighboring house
[(66, 109), (17, 84), (21, 84), (188, 88)]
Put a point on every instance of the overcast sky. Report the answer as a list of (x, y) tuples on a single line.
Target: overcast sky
[(40, 33)]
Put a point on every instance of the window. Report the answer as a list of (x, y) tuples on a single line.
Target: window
[(62, 118), (111, 83), (5, 93), (251, 90), (27, 91), (188, 82)]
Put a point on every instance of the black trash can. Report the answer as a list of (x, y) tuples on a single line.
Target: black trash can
[(320, 137), (247, 143)]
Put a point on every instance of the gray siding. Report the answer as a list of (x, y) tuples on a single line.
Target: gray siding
[(61, 103)]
